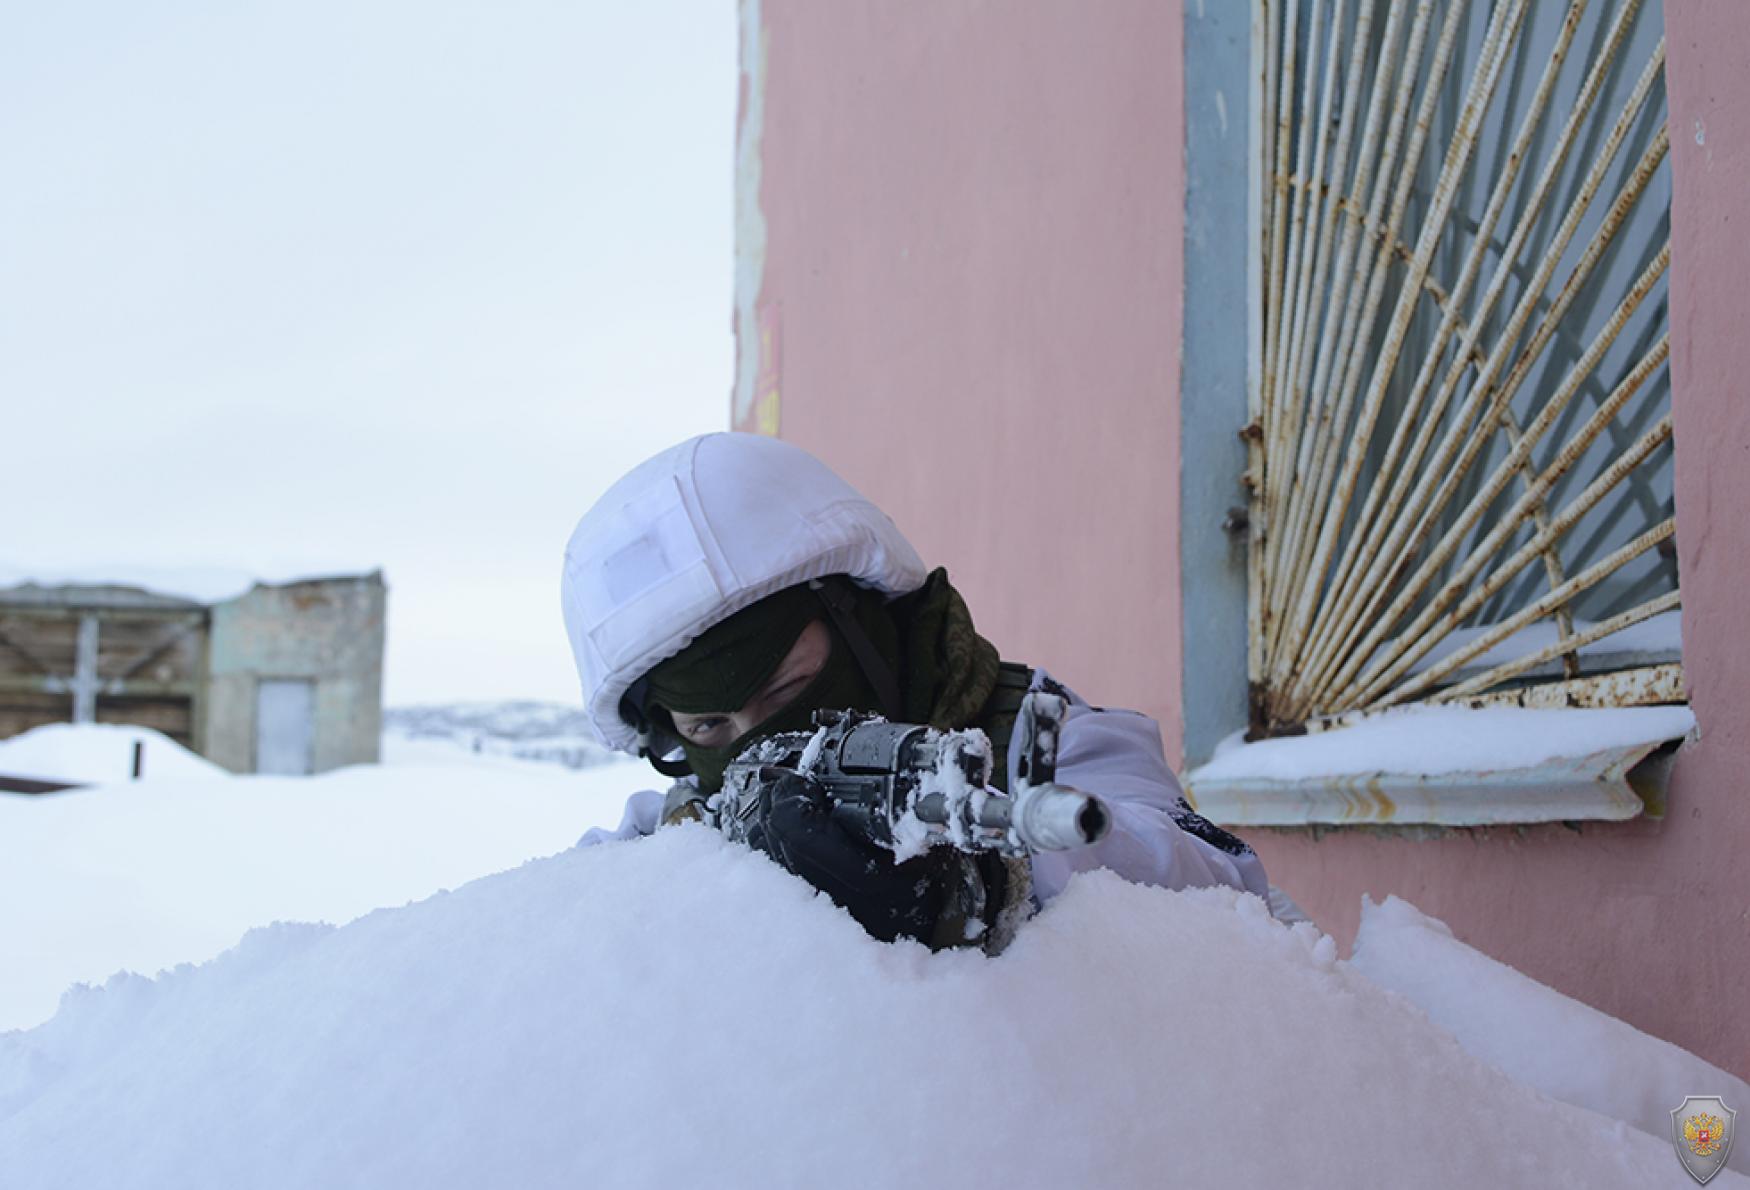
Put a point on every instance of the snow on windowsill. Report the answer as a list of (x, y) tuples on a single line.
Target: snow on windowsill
[(1444, 765), (1426, 741)]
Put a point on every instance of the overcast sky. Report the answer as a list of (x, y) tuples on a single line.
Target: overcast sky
[(313, 286)]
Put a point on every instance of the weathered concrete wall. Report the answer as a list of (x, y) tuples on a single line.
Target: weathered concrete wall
[(328, 630), (1649, 921), (965, 294)]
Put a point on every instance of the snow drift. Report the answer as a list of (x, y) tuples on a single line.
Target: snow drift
[(92, 752), (1568, 1050), (680, 1012), (175, 867)]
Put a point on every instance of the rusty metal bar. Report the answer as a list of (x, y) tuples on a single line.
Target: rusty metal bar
[(1325, 593), (1370, 526), (1384, 185), (1503, 22), (1552, 559), (1281, 424), (1605, 482), (1292, 580), (1411, 644), (1425, 574), (1266, 25), (1512, 669), (1354, 231), (1586, 579), (1431, 497), (1650, 685), (1417, 640), (1368, 575), (1368, 279), (1313, 286), (1279, 192)]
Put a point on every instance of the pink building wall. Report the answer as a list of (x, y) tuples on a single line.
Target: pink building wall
[(970, 305), (966, 294), (1649, 921)]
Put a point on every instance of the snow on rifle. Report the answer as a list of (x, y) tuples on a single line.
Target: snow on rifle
[(910, 787)]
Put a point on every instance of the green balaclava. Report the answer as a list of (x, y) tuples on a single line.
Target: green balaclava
[(726, 666)]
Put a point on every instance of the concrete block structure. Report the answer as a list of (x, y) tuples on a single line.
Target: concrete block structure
[(280, 679), (283, 657)]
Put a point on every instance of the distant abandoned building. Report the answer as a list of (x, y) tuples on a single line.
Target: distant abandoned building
[(281, 679)]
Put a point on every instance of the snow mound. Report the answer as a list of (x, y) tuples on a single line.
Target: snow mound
[(1566, 1049), (89, 753), (680, 1012), (163, 871)]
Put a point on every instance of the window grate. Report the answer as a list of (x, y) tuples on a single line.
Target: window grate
[(1460, 426)]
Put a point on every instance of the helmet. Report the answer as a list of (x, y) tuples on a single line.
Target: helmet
[(693, 535)]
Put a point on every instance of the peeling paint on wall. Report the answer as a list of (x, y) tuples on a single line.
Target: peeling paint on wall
[(762, 416), (754, 406)]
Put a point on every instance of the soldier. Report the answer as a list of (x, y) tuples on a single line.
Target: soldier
[(732, 585)]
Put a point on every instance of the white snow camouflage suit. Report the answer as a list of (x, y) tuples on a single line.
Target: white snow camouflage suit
[(706, 528)]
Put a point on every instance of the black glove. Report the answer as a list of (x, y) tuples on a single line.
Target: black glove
[(798, 828)]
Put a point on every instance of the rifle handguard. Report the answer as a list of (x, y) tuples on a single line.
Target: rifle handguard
[(909, 787)]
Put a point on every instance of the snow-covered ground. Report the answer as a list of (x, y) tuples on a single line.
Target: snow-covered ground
[(176, 867), (526, 729), (99, 752), (680, 1012)]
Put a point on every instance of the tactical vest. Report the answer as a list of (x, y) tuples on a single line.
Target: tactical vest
[(997, 717)]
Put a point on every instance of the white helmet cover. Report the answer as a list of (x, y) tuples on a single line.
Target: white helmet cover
[(693, 535)]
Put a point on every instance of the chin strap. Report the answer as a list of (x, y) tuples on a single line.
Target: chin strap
[(668, 768), (839, 605)]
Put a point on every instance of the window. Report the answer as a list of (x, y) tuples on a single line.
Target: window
[(1459, 453)]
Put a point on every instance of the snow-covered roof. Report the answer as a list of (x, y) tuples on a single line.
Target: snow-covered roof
[(148, 585), (93, 595), (199, 584)]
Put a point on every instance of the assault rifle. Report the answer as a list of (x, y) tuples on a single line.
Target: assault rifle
[(909, 787)]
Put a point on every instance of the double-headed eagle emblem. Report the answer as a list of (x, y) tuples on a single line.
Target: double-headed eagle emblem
[(1703, 1134), (1701, 1128)]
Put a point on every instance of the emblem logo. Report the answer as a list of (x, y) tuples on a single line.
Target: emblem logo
[(1702, 1129)]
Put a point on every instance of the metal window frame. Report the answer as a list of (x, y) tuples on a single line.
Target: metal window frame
[(1226, 115)]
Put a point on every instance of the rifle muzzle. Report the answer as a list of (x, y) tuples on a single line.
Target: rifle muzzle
[(1041, 817)]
